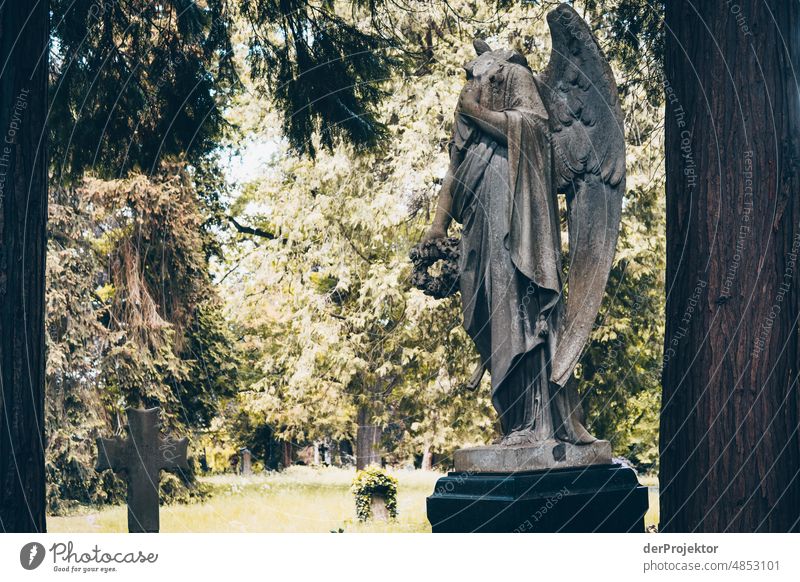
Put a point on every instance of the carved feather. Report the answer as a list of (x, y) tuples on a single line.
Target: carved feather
[(578, 86), (580, 93)]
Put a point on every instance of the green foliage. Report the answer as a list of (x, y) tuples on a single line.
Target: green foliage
[(137, 82), (132, 320), (212, 373), (634, 31), (374, 482), (161, 316), (76, 405), (322, 71), (183, 488)]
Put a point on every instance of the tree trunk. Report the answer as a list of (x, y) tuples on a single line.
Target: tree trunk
[(730, 446), (24, 30), (287, 454), (327, 457), (427, 459), (368, 440)]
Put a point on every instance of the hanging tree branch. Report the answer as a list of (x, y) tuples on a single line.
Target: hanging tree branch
[(251, 230)]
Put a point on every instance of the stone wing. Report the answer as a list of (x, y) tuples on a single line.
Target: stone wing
[(580, 94)]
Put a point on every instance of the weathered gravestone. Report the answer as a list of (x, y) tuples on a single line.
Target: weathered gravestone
[(141, 456), (245, 461), (378, 508), (519, 139)]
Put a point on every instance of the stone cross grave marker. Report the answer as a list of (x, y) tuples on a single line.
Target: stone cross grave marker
[(141, 456)]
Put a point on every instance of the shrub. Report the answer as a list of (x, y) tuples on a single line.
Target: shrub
[(367, 484)]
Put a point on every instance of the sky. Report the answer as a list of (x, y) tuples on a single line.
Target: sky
[(248, 162)]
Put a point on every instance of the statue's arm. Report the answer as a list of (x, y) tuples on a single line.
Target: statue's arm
[(495, 123), (444, 205), (492, 123)]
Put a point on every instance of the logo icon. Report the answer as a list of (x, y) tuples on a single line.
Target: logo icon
[(31, 555)]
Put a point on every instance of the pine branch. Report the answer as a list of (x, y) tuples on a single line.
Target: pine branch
[(241, 228)]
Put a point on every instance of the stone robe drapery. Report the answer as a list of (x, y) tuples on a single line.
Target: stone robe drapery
[(504, 196)]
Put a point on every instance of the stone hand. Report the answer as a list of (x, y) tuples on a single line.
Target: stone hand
[(469, 100), (434, 232)]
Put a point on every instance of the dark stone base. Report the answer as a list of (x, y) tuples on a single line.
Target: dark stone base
[(599, 498)]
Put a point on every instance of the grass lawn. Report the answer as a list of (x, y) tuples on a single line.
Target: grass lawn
[(300, 499)]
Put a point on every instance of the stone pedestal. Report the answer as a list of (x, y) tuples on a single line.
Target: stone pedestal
[(549, 454), (595, 498)]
